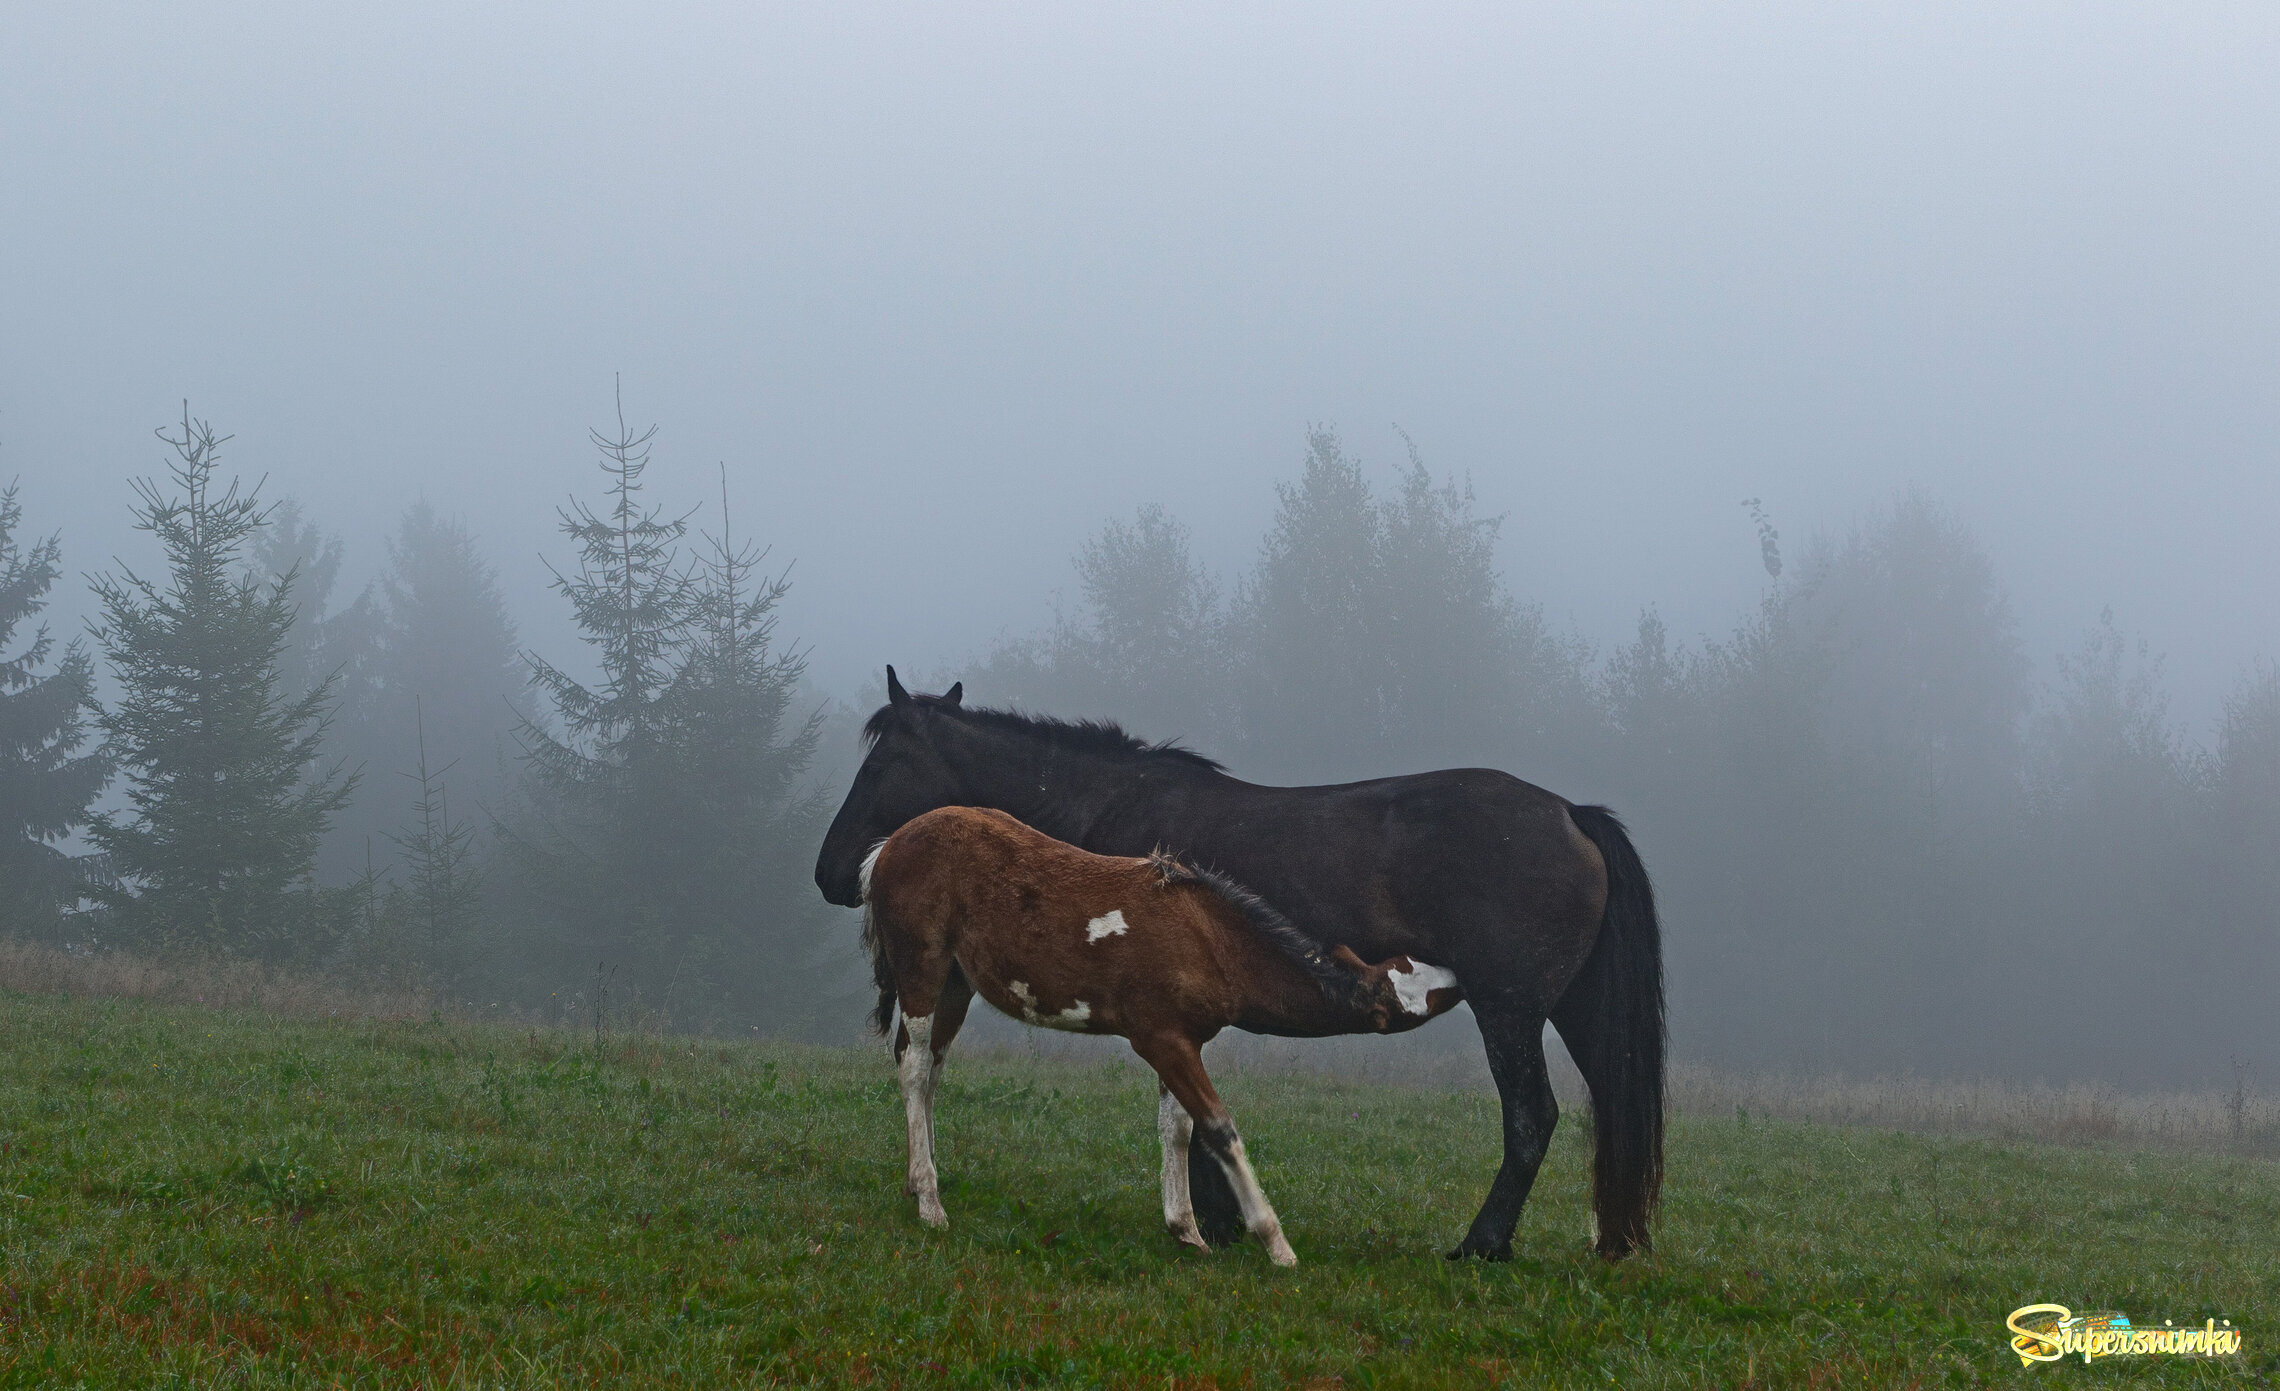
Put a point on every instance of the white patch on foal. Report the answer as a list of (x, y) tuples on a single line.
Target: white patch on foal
[(869, 860), (1108, 924), (1073, 1017), (1415, 987)]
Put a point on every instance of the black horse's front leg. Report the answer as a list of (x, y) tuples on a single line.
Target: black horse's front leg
[(1515, 1042), (1217, 1215)]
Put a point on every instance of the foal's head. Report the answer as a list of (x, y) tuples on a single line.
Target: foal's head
[(1400, 993)]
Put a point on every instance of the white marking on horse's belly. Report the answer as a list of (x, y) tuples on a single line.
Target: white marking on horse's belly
[(1108, 924), (1415, 987), (1073, 1017)]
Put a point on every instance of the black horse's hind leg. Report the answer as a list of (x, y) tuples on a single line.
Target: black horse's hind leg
[(1218, 1216), (1515, 1040)]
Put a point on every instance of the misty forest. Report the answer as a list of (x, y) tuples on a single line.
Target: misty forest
[(1887, 836)]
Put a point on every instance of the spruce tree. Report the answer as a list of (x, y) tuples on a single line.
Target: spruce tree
[(226, 806), (1154, 645), (450, 669), (325, 643), (1376, 636), (46, 783), (442, 895), (1928, 679), (1474, 676), (669, 829), (433, 664), (1307, 628), (603, 822), (634, 600), (744, 918), (340, 645), (1145, 650)]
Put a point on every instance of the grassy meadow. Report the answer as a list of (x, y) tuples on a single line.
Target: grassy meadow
[(200, 1197)]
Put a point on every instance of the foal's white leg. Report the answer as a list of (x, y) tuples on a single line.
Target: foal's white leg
[(1258, 1213), (933, 1081), (917, 1070), (1174, 1126)]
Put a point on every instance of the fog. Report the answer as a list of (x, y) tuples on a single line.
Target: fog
[(947, 291)]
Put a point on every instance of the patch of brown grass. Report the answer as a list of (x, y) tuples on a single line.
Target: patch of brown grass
[(33, 969), (2079, 1114)]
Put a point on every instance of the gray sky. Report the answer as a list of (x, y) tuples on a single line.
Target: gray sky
[(948, 285)]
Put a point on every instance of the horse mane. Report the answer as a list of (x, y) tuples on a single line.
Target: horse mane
[(1102, 738), (1336, 982)]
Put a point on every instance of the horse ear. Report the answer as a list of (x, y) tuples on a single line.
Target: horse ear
[(956, 693), (896, 695)]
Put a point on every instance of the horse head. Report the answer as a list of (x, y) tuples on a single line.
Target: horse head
[(903, 776)]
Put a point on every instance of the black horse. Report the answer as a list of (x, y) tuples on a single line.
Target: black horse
[(1541, 907)]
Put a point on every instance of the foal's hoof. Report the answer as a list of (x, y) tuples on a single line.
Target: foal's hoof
[(1220, 1231), (1466, 1250), (1278, 1251), (934, 1217), (1189, 1236)]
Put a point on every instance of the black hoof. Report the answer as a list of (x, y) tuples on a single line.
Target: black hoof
[(1218, 1234), (1501, 1252)]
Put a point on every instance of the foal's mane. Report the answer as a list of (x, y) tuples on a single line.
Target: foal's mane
[(1101, 738), (1335, 981)]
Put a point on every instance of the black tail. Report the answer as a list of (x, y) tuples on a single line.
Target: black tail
[(882, 971), (1612, 1022)]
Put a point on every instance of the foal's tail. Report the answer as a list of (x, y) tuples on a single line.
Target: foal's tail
[(1612, 1021), (882, 970)]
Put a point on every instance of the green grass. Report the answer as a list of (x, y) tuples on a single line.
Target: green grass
[(216, 1198)]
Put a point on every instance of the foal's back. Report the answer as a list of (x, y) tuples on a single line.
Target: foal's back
[(1055, 935)]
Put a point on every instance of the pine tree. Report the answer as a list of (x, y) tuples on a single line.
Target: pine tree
[(1473, 676), (1155, 640), (226, 806), (1375, 637), (340, 645), (444, 884), (2105, 748), (450, 666), (1146, 650), (436, 665), (732, 688), (1307, 628), (744, 922), (1644, 691), (604, 817), (669, 832), (635, 602), (325, 643), (1928, 679), (46, 783)]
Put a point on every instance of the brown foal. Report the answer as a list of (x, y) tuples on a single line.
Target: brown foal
[(965, 900)]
